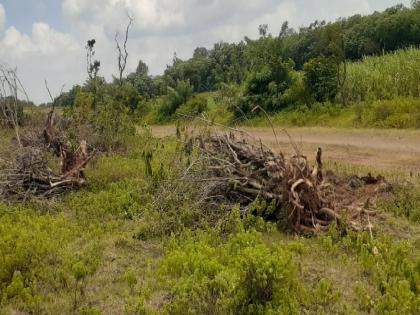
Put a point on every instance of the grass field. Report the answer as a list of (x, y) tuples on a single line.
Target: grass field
[(135, 243), (386, 77)]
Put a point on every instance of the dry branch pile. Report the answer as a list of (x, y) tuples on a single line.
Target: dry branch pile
[(240, 172), (28, 173)]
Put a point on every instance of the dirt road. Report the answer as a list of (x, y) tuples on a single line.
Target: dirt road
[(378, 149)]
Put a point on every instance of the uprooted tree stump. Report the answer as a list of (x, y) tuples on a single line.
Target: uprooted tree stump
[(28, 173), (309, 200)]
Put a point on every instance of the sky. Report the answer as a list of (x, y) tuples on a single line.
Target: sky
[(45, 39)]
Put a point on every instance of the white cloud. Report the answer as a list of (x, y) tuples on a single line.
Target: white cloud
[(43, 41), (237, 29), (2, 17), (44, 54), (328, 10), (163, 27), (164, 17)]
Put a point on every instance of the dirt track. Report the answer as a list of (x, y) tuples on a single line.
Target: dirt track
[(378, 149)]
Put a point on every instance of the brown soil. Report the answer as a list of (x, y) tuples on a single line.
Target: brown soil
[(397, 150)]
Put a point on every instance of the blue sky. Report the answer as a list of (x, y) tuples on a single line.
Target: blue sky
[(45, 39), (23, 13)]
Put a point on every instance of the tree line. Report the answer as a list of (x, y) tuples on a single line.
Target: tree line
[(273, 71)]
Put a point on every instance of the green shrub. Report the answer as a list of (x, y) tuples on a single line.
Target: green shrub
[(265, 87), (175, 98), (397, 113), (193, 106), (406, 204), (122, 200), (26, 244), (102, 114), (393, 270), (111, 169), (37, 256), (228, 94), (318, 114), (321, 78), (125, 94), (240, 275)]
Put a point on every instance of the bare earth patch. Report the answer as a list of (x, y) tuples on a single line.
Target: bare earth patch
[(397, 150)]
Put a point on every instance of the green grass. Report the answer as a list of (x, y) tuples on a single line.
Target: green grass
[(399, 113), (391, 76), (136, 242), (325, 115)]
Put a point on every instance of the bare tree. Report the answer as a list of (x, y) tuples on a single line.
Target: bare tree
[(10, 88), (122, 51)]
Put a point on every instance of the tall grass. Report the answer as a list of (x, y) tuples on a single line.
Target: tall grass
[(385, 77)]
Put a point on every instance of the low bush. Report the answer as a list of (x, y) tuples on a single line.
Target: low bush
[(120, 200), (397, 113), (240, 275), (392, 268), (175, 98), (318, 114), (231, 270), (265, 87), (37, 257), (194, 106), (321, 78), (406, 204)]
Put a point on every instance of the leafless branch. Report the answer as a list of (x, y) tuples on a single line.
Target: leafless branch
[(10, 87), (48, 90), (53, 100), (122, 51)]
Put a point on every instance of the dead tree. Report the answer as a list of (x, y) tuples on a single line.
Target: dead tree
[(10, 88), (122, 51)]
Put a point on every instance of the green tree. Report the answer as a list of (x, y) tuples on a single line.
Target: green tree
[(265, 87), (321, 78), (142, 82), (142, 68), (67, 99), (175, 98)]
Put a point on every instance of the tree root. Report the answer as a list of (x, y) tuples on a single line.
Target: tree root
[(29, 175), (244, 172)]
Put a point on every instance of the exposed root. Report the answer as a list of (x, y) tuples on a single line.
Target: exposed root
[(242, 172), (28, 173)]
